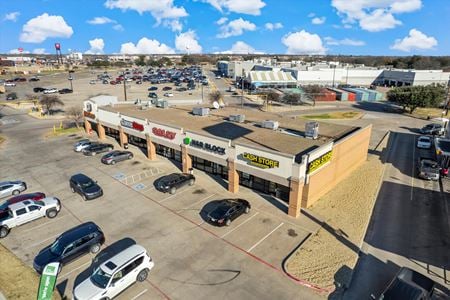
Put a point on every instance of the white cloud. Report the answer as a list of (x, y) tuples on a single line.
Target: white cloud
[(174, 25), (240, 48), (16, 51), (43, 27), (318, 20), (249, 7), (39, 51), (235, 28), (303, 42), (221, 21), (118, 27), (416, 40), (187, 42), (97, 46), (272, 26), (100, 21), (12, 16), (146, 46), (311, 15), (374, 15), (160, 10), (345, 42)]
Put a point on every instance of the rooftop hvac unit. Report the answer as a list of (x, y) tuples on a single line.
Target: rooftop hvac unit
[(270, 124), (312, 130), (162, 104), (200, 111), (237, 118)]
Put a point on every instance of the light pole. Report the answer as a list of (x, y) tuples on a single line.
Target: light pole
[(70, 80), (242, 88), (334, 73), (125, 88)]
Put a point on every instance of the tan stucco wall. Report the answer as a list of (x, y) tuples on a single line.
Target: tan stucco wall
[(348, 154)]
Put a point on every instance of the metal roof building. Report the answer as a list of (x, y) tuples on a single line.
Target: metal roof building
[(271, 79)]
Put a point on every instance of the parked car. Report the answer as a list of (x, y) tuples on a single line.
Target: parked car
[(115, 156), (11, 96), (71, 244), (138, 82), (428, 169), (424, 142), (153, 88), (27, 211), (170, 183), (50, 91), (83, 144), (166, 88), (168, 94), (181, 89), (105, 81), (8, 188), (20, 79), (152, 95), (32, 196), (178, 83), (34, 79), (227, 210), (65, 91), (38, 89), (115, 274), (85, 186), (433, 128), (94, 149), (218, 77), (112, 82), (10, 84)]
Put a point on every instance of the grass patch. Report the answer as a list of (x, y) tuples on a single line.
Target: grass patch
[(2, 139), (63, 131), (426, 112), (335, 115), (17, 280)]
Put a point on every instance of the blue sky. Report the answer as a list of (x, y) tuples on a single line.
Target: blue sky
[(357, 27)]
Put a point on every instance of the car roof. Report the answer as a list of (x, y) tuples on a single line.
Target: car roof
[(78, 232), (25, 196), (118, 260), (9, 182), (80, 178)]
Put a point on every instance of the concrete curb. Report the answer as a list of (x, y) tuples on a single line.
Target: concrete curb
[(2, 297)]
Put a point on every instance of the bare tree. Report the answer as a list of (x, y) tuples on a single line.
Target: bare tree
[(50, 101), (75, 114), (292, 98), (215, 96)]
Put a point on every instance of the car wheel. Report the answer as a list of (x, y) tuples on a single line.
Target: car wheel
[(72, 189), (84, 197), (228, 222), (95, 248), (173, 190), (4, 231), (16, 192), (191, 182), (142, 275), (247, 209), (93, 153), (113, 162), (51, 213), (130, 156)]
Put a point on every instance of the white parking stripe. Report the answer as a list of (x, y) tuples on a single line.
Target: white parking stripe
[(140, 294), (73, 270), (197, 202), (267, 235), (44, 224), (43, 241), (227, 233), (171, 196)]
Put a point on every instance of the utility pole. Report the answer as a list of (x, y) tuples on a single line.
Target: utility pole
[(242, 88), (346, 79), (125, 87), (334, 72)]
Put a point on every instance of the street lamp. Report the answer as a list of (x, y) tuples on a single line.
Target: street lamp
[(70, 80), (242, 88), (334, 72)]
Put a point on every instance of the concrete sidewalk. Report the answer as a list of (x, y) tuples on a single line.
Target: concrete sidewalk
[(2, 297)]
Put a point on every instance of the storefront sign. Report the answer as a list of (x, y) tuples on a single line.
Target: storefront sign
[(260, 161), (132, 125), (170, 135), (204, 146), (89, 115), (319, 162), (48, 281)]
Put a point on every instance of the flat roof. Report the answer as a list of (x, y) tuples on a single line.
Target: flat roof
[(290, 141)]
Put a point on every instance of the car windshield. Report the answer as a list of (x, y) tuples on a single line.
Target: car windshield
[(56, 248), (38, 202), (424, 139), (4, 205), (220, 211), (87, 184), (100, 278), (429, 164)]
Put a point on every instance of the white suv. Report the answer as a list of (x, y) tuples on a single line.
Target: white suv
[(115, 275)]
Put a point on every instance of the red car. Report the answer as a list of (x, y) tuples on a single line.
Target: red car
[(22, 197), (112, 82)]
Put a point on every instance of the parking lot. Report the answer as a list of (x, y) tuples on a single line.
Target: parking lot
[(193, 259)]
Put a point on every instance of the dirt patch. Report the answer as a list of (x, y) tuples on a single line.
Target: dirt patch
[(336, 115), (17, 280), (346, 212)]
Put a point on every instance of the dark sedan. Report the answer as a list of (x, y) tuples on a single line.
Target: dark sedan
[(227, 210), (32, 196), (167, 88), (115, 156), (38, 89), (65, 91), (172, 182), (97, 148), (85, 186), (153, 88), (80, 240)]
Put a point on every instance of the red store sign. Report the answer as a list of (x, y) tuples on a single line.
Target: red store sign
[(88, 114), (164, 133), (132, 125)]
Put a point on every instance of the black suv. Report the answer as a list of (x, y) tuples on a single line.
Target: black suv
[(84, 238), (228, 210), (97, 148), (172, 182), (85, 186)]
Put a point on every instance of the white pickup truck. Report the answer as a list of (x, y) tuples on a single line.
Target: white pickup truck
[(27, 211)]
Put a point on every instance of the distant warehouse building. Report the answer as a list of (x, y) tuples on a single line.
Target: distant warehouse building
[(271, 79)]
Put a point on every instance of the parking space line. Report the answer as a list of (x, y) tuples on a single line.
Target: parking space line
[(43, 241), (140, 294), (195, 203), (174, 195), (227, 233), (73, 270), (267, 235), (43, 224)]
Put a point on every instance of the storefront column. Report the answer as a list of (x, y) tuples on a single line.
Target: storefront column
[(87, 126), (233, 177), (295, 197), (151, 149), (123, 138), (101, 131), (186, 159)]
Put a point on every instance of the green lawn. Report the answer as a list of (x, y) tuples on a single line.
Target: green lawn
[(335, 115)]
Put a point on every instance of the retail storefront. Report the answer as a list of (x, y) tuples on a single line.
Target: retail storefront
[(135, 132), (166, 139)]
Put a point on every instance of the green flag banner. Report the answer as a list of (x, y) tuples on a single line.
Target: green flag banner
[(48, 281)]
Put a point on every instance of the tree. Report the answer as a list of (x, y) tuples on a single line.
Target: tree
[(140, 61), (312, 91), (50, 101), (412, 97), (271, 96), (292, 98), (75, 114), (215, 96)]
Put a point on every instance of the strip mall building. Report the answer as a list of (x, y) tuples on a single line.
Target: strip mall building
[(282, 162)]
